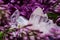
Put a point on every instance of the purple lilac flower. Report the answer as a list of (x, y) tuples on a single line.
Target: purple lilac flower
[(25, 8)]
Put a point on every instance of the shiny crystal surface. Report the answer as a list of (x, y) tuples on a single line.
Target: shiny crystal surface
[(40, 21)]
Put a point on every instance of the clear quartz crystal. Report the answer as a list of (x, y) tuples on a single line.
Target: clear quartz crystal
[(38, 16), (17, 20), (40, 21), (14, 17)]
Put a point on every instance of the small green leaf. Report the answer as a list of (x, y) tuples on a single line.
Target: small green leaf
[(1, 35), (52, 15)]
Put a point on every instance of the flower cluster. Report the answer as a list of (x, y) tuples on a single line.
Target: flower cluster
[(11, 21)]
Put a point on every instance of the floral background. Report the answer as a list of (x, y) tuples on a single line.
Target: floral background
[(25, 8)]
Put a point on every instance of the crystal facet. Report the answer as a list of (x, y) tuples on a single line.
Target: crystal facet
[(22, 21), (14, 17)]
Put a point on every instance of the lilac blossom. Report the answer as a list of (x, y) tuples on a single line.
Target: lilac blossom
[(28, 20)]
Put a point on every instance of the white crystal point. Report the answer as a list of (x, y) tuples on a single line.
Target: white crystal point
[(38, 11), (37, 16), (15, 14)]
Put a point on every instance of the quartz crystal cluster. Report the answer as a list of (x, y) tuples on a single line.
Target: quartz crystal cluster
[(40, 25)]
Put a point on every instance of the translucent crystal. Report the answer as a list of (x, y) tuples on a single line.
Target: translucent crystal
[(40, 21), (14, 17), (38, 16), (17, 20)]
